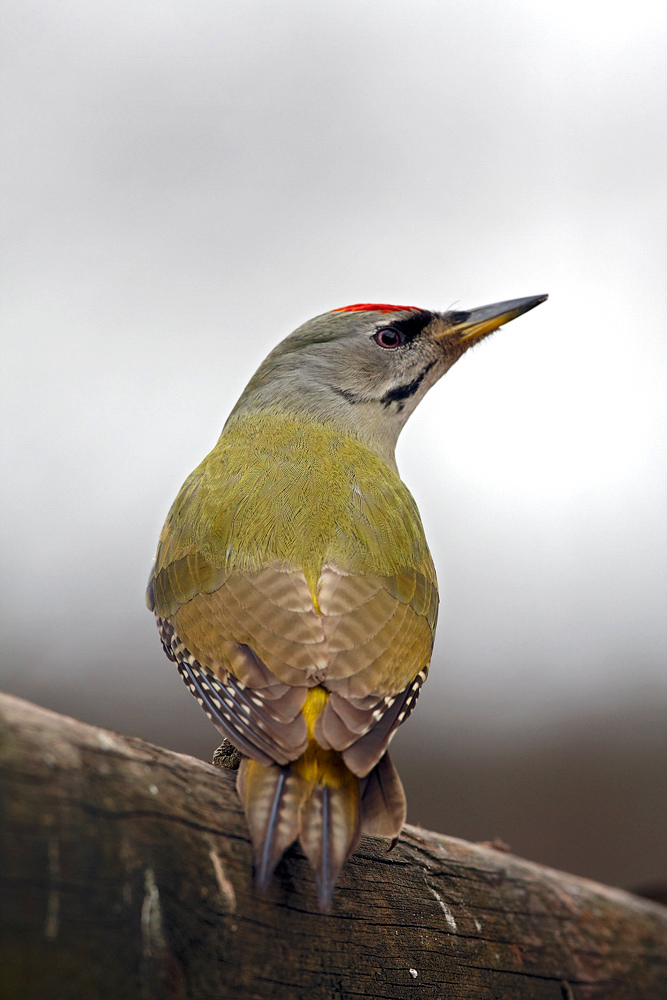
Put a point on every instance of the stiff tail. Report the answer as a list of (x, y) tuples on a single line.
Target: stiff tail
[(383, 803), (330, 831), (322, 803), (272, 798)]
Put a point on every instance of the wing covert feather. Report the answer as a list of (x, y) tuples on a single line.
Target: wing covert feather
[(380, 642)]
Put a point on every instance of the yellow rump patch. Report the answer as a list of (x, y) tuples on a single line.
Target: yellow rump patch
[(325, 767), (314, 704)]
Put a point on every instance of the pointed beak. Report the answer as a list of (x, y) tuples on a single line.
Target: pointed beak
[(468, 326)]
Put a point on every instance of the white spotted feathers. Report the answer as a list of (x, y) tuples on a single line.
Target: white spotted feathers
[(264, 721)]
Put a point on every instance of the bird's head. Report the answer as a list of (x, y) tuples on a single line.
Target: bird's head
[(367, 366)]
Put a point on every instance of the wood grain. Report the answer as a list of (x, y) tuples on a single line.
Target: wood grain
[(125, 872)]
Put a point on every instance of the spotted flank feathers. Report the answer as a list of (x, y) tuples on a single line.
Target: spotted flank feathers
[(363, 755), (263, 723)]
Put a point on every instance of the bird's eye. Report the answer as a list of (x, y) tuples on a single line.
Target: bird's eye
[(388, 337)]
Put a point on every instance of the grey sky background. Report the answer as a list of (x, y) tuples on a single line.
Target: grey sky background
[(186, 183)]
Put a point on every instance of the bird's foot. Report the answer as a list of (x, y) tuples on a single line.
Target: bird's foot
[(227, 756)]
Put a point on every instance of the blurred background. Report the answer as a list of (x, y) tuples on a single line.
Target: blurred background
[(184, 184)]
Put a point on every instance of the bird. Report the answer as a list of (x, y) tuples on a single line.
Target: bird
[(293, 585)]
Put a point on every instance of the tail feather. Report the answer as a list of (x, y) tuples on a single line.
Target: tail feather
[(383, 804), (316, 798), (280, 805), (272, 798), (330, 831)]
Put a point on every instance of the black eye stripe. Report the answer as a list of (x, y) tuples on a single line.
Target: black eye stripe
[(412, 325)]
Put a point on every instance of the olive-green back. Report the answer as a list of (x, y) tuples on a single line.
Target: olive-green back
[(279, 489)]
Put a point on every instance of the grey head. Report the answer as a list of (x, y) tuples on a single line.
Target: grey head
[(366, 367)]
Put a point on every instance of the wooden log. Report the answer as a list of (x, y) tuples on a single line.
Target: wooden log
[(125, 872)]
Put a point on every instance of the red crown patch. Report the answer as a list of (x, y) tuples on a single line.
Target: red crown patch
[(372, 307)]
